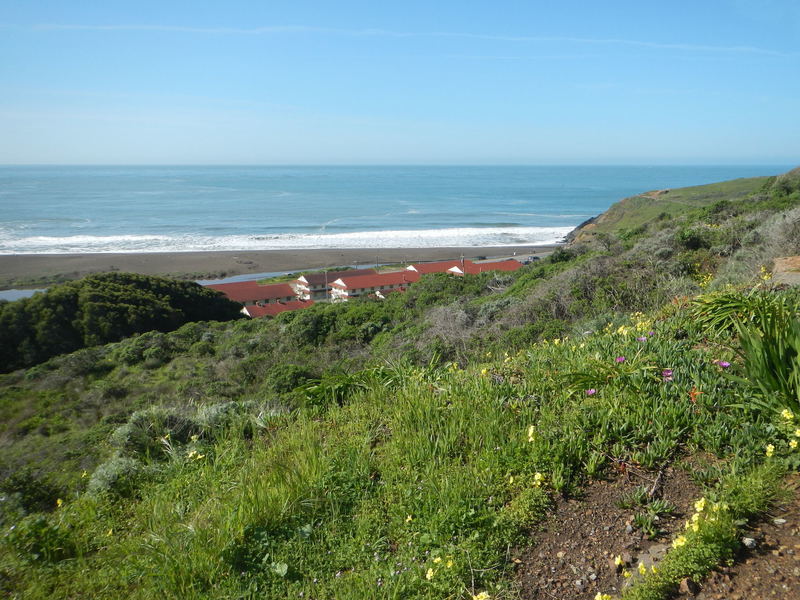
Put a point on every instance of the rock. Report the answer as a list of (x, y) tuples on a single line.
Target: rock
[(688, 587), (779, 522), (749, 542), (579, 583), (560, 554), (593, 576)]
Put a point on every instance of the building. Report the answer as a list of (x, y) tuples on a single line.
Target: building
[(474, 268), (377, 285), (442, 266), (316, 286), (275, 308), (249, 293)]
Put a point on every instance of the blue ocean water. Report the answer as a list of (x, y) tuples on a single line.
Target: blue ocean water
[(167, 209)]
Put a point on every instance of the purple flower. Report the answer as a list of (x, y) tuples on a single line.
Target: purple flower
[(620, 359), (667, 374), (724, 364), (641, 339), (591, 392), (651, 333)]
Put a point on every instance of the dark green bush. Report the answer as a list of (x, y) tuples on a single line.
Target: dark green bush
[(36, 540)]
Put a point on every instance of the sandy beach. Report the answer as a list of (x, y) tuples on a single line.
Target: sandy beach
[(213, 265)]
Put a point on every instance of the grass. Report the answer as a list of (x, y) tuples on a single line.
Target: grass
[(414, 484)]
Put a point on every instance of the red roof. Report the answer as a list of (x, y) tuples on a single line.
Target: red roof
[(500, 265), (438, 267), (275, 308), (252, 291), (316, 279), (393, 278)]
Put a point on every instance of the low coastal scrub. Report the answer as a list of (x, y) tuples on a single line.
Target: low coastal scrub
[(413, 448)]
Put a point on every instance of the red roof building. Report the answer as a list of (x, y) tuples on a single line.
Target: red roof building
[(251, 292), (378, 285), (442, 266), (482, 267), (275, 308), (315, 286)]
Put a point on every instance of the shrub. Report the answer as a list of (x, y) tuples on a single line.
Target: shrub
[(35, 539), (119, 476)]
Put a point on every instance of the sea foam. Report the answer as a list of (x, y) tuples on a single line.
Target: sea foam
[(425, 238)]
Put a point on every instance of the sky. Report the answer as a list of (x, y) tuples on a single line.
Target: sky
[(372, 82)]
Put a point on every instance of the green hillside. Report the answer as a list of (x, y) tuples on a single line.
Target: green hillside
[(426, 446)]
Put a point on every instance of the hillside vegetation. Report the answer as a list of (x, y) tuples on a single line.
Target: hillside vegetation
[(409, 448), (100, 309)]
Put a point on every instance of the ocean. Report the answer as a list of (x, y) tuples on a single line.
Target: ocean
[(49, 209)]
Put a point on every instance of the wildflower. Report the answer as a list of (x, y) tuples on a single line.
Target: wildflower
[(695, 526), (482, 596), (84, 474), (531, 431), (601, 596), (797, 433), (484, 372), (641, 338), (642, 569), (538, 479), (591, 392), (556, 342), (793, 444), (511, 479), (59, 502), (437, 560), (787, 414), (449, 563), (409, 518), (488, 355), (770, 450), (667, 374), (626, 574), (724, 364), (194, 438), (679, 541), (700, 505), (653, 569), (694, 394), (429, 575), (110, 532), (618, 560), (651, 333), (620, 359)]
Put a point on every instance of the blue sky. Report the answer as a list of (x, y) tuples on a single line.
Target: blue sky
[(279, 82)]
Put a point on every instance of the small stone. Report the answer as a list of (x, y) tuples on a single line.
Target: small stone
[(579, 584), (560, 554), (628, 528), (749, 542), (593, 576), (688, 587), (779, 522)]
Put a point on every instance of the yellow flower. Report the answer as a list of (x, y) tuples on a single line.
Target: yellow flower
[(511, 479), (770, 450), (618, 560), (84, 474), (797, 433), (482, 596), (700, 505), (601, 596), (653, 569), (626, 573), (538, 479), (409, 518), (429, 575), (59, 502), (449, 563), (695, 526), (531, 431), (110, 532), (642, 569), (679, 541), (793, 444), (438, 559), (787, 414)]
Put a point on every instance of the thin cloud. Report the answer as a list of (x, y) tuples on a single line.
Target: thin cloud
[(295, 29)]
